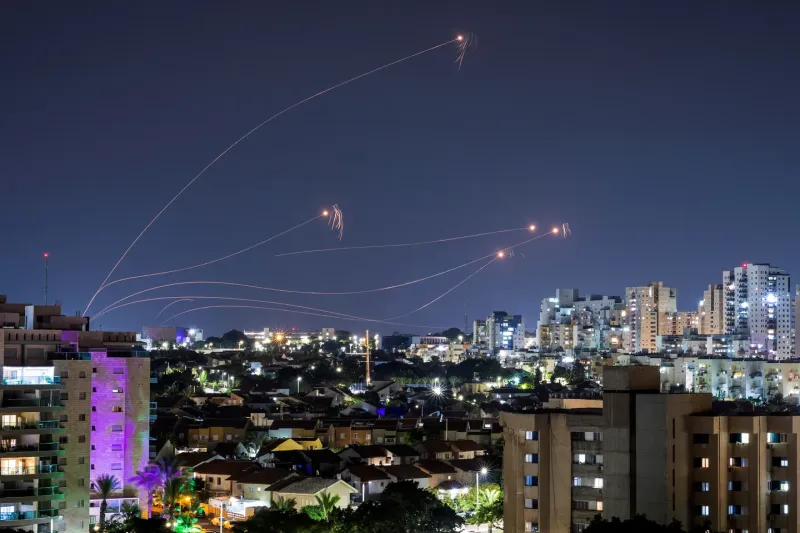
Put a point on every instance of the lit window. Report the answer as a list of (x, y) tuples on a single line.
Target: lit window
[(599, 506), (598, 483), (704, 511), (531, 457), (786, 508), (531, 435)]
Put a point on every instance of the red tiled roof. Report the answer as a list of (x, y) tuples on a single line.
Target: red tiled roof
[(367, 473)]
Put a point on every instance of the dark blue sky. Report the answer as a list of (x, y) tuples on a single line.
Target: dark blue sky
[(664, 133)]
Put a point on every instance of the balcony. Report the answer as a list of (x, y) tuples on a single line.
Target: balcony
[(21, 516), (30, 404), (30, 493), (37, 450), (53, 426), (32, 380), (37, 470)]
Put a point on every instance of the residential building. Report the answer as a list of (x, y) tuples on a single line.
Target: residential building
[(76, 406), (305, 490), (368, 480), (289, 429), (480, 334), (634, 456), (440, 471), (648, 309), (505, 332), (758, 303), (677, 323), (254, 484), (221, 476), (158, 337), (370, 455), (214, 430), (712, 311), (408, 473), (568, 321)]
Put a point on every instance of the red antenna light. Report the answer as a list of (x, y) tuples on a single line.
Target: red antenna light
[(46, 254)]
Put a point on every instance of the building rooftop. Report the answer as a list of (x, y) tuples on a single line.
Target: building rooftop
[(224, 467), (368, 473), (262, 476), (434, 466), (367, 452), (403, 472), (306, 485), (401, 450)]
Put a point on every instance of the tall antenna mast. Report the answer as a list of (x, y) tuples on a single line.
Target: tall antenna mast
[(367, 339), (46, 255)]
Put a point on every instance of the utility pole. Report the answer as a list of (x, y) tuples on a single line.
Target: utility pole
[(46, 255), (367, 339)]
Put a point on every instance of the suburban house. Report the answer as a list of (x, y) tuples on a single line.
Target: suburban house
[(269, 447), (439, 471), (384, 431), (304, 490), (192, 460), (466, 449), (341, 433), (385, 390), (214, 430), (368, 480), (408, 473), (229, 450), (466, 469), (289, 429), (217, 475), (339, 397), (253, 484), (435, 449), (402, 454), (370, 455)]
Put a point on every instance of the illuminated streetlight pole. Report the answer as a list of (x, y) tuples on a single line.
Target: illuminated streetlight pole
[(299, 379), (481, 472)]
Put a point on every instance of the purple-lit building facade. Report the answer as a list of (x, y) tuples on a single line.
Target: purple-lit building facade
[(74, 406)]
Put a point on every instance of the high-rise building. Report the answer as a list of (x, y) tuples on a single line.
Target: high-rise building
[(479, 333), (676, 323), (666, 456), (712, 311), (569, 321), (505, 332), (648, 311), (75, 405), (758, 303)]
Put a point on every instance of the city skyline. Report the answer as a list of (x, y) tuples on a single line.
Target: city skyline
[(641, 128)]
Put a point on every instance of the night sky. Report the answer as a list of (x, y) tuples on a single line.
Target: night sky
[(664, 133)]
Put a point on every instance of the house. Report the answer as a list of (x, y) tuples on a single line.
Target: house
[(439, 471), (368, 480), (466, 449), (285, 445), (322, 462), (339, 397), (370, 455), (214, 430), (466, 469), (404, 428), (254, 484), (434, 449), (289, 429), (229, 450), (385, 389), (343, 433), (385, 431), (402, 454), (408, 473), (304, 490), (217, 475), (192, 460)]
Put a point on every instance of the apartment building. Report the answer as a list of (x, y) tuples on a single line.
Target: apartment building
[(758, 303), (648, 311), (711, 311), (669, 456), (571, 321), (75, 405)]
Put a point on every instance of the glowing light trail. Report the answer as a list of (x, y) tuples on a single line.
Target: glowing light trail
[(451, 289), (171, 304), (317, 293), (405, 244), (234, 254), (245, 136)]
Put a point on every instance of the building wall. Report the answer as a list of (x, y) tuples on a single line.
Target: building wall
[(712, 311)]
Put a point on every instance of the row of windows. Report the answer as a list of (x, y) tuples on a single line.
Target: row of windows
[(776, 508)]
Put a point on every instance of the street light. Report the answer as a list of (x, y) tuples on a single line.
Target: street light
[(482, 472), (299, 379)]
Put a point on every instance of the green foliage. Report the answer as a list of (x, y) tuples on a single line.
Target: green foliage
[(105, 485), (284, 504)]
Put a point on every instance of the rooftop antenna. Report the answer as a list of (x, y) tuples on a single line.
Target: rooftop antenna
[(46, 256)]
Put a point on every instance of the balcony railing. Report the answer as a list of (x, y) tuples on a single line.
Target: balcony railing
[(32, 380), (32, 402), (41, 424), (25, 470), (29, 515), (41, 491), (41, 447)]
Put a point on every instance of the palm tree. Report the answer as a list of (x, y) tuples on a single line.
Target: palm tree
[(171, 494), (283, 504), (104, 486), (147, 479), (327, 504)]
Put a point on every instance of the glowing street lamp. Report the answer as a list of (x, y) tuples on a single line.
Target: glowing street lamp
[(482, 472), (299, 379)]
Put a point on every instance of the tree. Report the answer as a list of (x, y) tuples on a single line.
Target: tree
[(104, 486), (490, 510), (326, 504), (283, 504), (637, 524), (147, 479)]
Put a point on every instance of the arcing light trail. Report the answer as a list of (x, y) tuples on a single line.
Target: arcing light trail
[(459, 39), (406, 244), (234, 254), (451, 289), (306, 310), (317, 293), (171, 304)]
